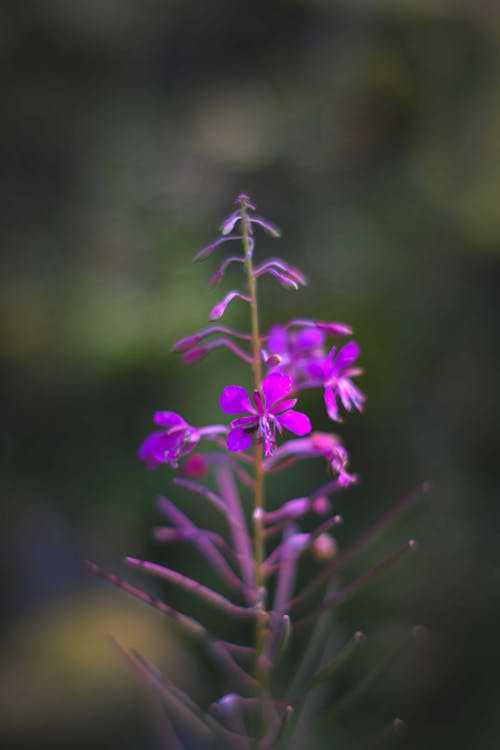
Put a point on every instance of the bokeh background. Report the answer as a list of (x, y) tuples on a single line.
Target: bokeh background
[(369, 131)]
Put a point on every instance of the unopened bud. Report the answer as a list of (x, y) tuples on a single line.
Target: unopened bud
[(194, 466), (321, 506), (273, 360), (186, 343), (324, 547), (335, 329), (215, 279), (193, 355)]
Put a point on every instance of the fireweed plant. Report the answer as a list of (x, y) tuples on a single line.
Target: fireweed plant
[(258, 559)]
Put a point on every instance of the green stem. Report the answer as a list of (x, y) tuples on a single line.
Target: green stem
[(258, 529)]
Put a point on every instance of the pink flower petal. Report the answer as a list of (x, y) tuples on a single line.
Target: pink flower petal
[(277, 340), (330, 362), (169, 419), (331, 404), (317, 370), (346, 356), (158, 448), (350, 395), (275, 387), (309, 338), (296, 422), (235, 400), (239, 440), (257, 399), (288, 403)]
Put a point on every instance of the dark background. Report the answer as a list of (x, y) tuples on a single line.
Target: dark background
[(369, 131)]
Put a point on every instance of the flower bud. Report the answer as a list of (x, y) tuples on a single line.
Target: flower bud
[(321, 506), (324, 547), (273, 360), (194, 466), (335, 329), (193, 355)]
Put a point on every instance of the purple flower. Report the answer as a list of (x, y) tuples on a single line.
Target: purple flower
[(176, 440), (272, 411), (335, 372), (296, 350), (169, 444)]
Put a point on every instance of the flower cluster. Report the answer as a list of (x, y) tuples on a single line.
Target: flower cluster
[(294, 355), (262, 557)]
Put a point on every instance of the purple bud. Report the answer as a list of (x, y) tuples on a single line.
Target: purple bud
[(273, 361), (324, 547), (183, 344), (219, 310), (335, 329), (244, 200), (321, 506), (215, 279), (267, 226), (193, 355), (290, 510), (286, 281), (228, 701), (194, 466), (288, 276), (228, 224), (190, 341)]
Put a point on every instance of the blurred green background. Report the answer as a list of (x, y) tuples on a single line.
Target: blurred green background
[(369, 131)]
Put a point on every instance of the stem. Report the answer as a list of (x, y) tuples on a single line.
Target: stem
[(258, 521)]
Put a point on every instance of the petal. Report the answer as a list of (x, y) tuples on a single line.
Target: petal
[(296, 422), (317, 369), (239, 440), (169, 419), (235, 400), (309, 338), (158, 448), (288, 403), (346, 356), (329, 362), (257, 399), (350, 395), (147, 451), (277, 340), (275, 387), (331, 404), (188, 443)]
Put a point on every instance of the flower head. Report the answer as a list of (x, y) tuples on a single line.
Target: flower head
[(295, 350), (269, 413), (169, 444), (335, 373)]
